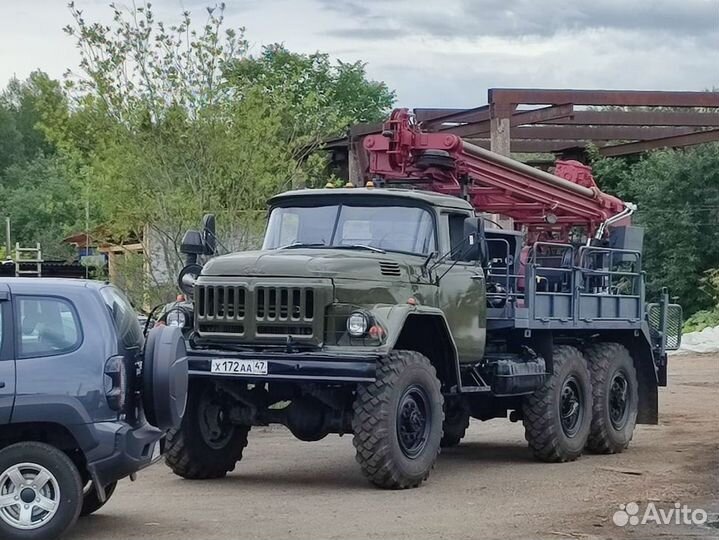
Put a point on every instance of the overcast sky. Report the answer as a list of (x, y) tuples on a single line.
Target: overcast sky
[(435, 53)]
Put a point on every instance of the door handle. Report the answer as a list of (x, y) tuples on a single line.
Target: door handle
[(2, 384), (477, 276)]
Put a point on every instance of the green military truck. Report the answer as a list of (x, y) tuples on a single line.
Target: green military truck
[(396, 315)]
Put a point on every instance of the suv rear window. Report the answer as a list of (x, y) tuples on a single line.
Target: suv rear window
[(124, 316), (48, 326)]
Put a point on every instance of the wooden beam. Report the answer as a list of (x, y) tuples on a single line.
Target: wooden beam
[(664, 142), (627, 98), (601, 133), (640, 118), (538, 146), (477, 114), (518, 118)]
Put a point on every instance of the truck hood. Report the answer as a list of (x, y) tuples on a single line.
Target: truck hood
[(326, 263)]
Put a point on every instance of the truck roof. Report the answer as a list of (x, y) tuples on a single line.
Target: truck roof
[(428, 197)]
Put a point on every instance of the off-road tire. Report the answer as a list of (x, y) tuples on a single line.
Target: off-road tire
[(456, 422), (607, 360), (91, 502), (188, 453), (542, 416), (68, 481), (375, 421)]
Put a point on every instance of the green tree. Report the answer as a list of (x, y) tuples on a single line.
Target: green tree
[(678, 196), (35, 190), (170, 121), (41, 205)]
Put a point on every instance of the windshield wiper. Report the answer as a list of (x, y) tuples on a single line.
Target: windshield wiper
[(361, 246), (303, 245)]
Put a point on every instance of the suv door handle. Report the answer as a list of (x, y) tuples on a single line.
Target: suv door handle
[(477, 276), (2, 384)]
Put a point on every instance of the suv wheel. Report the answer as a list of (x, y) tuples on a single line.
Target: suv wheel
[(397, 421), (40, 492), (207, 445), (616, 397), (557, 417)]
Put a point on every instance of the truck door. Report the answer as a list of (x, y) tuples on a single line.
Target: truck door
[(462, 295), (7, 357)]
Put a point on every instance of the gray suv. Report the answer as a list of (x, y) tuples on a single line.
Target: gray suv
[(84, 400)]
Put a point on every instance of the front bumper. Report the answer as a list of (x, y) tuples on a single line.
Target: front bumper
[(313, 366), (130, 450)]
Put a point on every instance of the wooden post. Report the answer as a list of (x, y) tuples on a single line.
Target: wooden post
[(500, 142), (499, 126)]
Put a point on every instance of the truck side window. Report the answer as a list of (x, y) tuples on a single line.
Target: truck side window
[(456, 234), (47, 326)]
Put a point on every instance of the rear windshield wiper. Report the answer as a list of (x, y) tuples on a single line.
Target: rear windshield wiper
[(360, 246), (303, 245)]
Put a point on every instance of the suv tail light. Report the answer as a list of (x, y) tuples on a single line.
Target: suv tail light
[(116, 383)]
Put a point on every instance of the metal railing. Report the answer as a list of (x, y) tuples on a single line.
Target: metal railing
[(566, 283)]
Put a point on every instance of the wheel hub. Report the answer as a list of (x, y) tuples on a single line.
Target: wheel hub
[(619, 400), (29, 496), (413, 421), (571, 406), (215, 424)]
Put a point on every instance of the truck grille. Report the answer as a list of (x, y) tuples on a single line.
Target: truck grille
[(250, 312)]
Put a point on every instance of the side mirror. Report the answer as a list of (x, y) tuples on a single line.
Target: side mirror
[(477, 249), (209, 234), (192, 246)]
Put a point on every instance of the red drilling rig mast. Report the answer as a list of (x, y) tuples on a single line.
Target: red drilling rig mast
[(537, 201)]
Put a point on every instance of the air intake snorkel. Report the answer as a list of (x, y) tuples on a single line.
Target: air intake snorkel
[(629, 209)]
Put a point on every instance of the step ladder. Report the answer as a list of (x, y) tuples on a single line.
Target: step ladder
[(28, 261)]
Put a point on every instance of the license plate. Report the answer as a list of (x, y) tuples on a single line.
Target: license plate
[(239, 367)]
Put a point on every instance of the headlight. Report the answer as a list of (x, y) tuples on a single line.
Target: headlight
[(188, 276), (357, 324), (176, 317)]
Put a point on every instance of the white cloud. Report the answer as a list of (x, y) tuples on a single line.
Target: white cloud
[(436, 53)]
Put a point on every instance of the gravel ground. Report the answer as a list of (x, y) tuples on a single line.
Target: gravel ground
[(488, 487)]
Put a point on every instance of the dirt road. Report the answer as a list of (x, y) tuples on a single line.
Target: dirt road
[(488, 487)]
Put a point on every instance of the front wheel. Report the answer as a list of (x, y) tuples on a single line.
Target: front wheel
[(40, 492), (557, 417), (208, 444), (397, 421)]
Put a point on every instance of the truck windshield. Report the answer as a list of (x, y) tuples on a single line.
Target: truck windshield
[(390, 228)]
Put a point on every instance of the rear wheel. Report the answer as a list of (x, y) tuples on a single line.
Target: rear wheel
[(40, 492), (616, 397), (397, 421), (557, 417), (208, 444), (456, 422)]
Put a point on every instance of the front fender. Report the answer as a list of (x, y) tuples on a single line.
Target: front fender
[(394, 318)]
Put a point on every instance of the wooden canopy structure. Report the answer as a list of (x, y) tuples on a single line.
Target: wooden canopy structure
[(562, 122)]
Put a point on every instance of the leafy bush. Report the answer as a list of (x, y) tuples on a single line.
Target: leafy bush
[(707, 317)]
